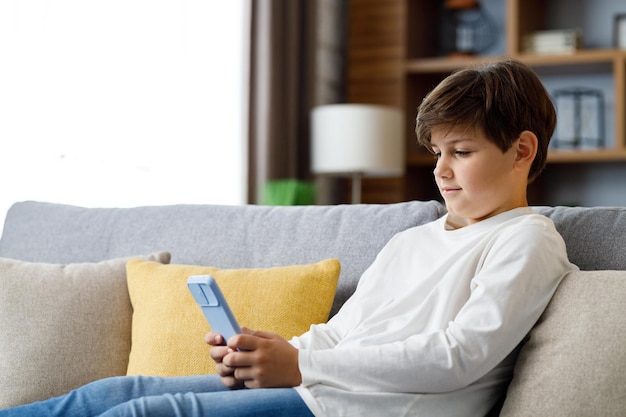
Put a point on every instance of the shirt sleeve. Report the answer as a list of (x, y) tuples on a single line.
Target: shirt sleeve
[(319, 336), (518, 274), (327, 335)]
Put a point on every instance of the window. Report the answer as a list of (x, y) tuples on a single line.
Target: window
[(122, 102)]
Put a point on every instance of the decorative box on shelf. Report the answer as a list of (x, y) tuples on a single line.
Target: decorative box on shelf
[(580, 118)]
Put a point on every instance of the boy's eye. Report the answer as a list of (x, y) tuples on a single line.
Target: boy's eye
[(458, 152)]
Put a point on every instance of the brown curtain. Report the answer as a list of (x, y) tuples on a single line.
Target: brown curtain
[(296, 62)]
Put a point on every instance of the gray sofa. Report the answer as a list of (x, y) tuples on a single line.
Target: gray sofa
[(573, 362)]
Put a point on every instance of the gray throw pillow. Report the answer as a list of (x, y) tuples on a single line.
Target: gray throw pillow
[(62, 326), (574, 362)]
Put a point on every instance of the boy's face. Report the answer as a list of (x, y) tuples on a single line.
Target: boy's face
[(476, 179)]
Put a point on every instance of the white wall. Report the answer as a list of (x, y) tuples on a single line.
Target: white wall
[(123, 102)]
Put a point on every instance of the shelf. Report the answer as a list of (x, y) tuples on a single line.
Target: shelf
[(406, 66), (580, 57), (591, 57), (574, 156), (445, 65), (582, 61)]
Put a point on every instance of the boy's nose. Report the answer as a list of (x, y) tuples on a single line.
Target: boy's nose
[(442, 170)]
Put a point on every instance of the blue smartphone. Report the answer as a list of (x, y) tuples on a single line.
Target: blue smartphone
[(209, 297)]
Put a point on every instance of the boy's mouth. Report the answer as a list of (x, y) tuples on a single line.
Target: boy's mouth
[(449, 190)]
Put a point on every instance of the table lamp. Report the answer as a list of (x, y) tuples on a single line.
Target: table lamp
[(357, 140)]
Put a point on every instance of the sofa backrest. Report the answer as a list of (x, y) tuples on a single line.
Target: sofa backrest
[(244, 236), (595, 236), (262, 236)]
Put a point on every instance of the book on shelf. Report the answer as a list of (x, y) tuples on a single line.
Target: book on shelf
[(553, 41)]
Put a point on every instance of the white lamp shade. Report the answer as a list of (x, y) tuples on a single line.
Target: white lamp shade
[(357, 138)]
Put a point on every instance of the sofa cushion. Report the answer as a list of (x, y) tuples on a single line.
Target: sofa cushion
[(169, 327), (574, 361), (246, 236), (62, 326)]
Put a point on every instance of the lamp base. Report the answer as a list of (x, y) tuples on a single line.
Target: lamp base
[(357, 179)]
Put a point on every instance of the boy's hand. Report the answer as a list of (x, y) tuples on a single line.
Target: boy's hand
[(218, 352), (258, 360)]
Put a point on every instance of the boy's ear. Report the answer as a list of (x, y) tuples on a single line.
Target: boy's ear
[(527, 145)]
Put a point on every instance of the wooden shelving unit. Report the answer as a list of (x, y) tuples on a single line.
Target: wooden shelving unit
[(396, 62)]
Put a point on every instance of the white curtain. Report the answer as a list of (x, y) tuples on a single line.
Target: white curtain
[(123, 102)]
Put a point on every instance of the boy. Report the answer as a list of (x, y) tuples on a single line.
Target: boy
[(435, 322)]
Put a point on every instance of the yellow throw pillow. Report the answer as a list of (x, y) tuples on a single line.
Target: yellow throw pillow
[(168, 326)]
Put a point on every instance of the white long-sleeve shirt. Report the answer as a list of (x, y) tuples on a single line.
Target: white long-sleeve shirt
[(434, 323)]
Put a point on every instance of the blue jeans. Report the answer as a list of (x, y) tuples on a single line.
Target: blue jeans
[(194, 396)]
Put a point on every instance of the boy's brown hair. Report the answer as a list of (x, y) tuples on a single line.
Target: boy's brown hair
[(503, 98)]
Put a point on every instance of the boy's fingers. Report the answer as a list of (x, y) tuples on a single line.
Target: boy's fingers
[(238, 359), (217, 353), (242, 342), (247, 330), (214, 339), (265, 335), (258, 333)]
